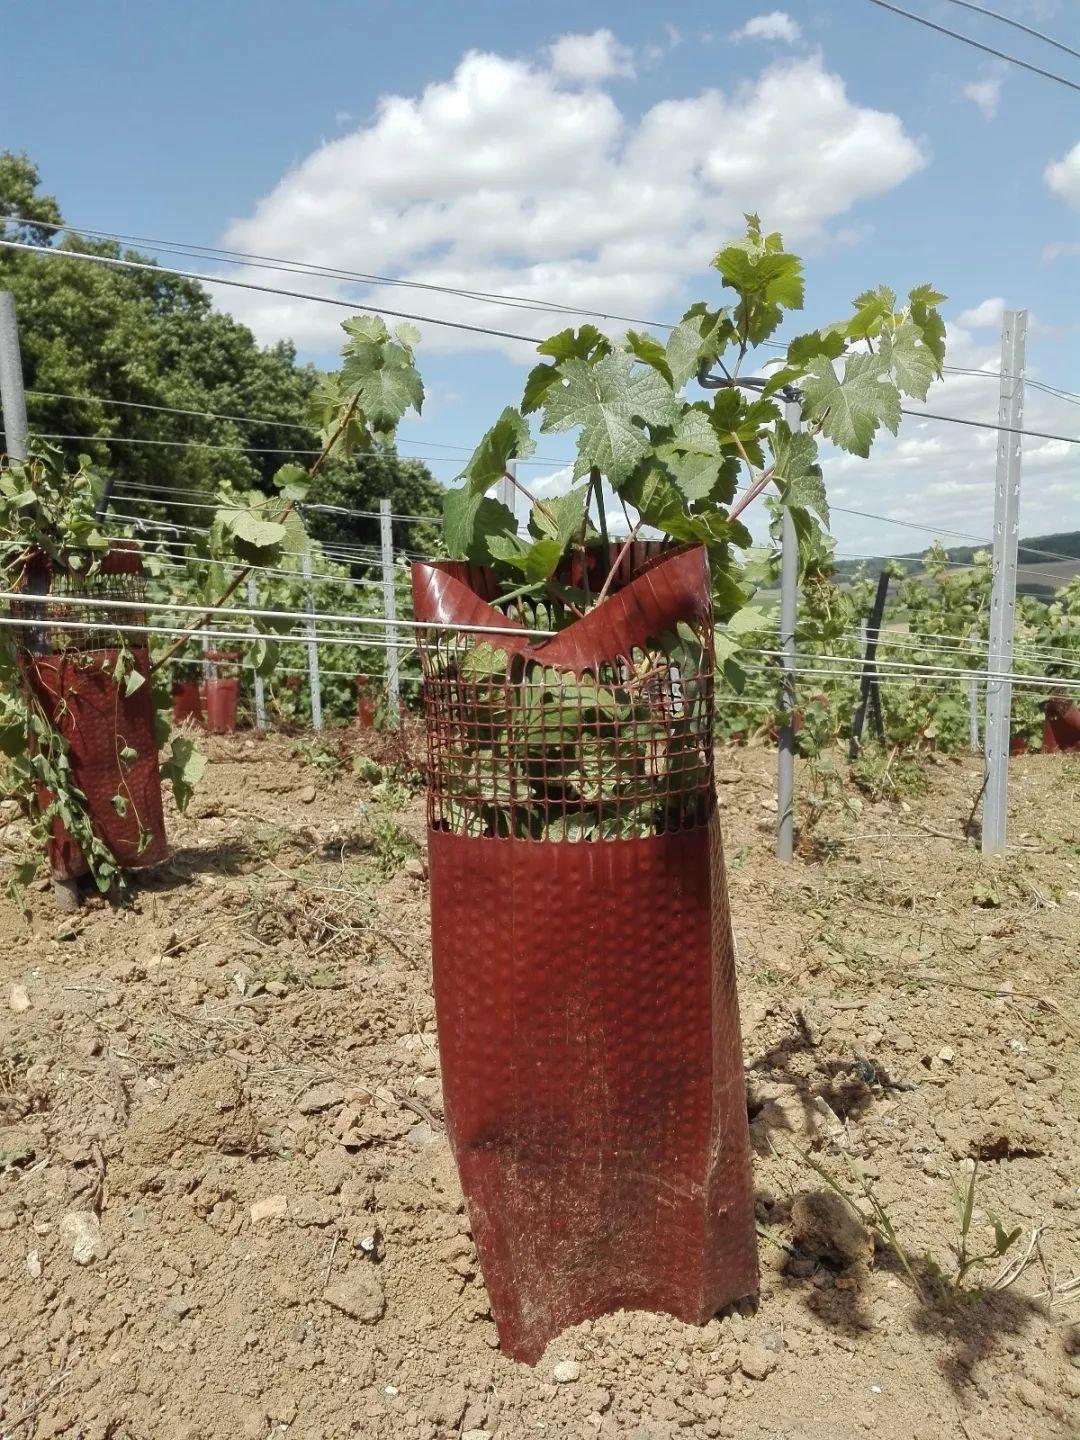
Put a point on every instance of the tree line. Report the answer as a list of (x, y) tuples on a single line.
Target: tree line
[(155, 339)]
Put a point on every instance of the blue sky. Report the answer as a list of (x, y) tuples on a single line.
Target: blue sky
[(597, 168)]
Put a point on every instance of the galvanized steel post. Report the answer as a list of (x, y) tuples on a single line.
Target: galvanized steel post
[(393, 689), (12, 396), (260, 687), (313, 649), (789, 589), (999, 658)]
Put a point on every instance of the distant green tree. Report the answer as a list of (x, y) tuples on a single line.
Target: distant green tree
[(155, 339), (359, 484)]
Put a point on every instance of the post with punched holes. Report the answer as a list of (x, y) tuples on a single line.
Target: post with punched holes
[(313, 648), (260, 687), (393, 688), (789, 591), (12, 398), (1003, 585)]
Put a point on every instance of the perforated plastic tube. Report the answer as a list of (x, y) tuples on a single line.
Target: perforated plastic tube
[(585, 988)]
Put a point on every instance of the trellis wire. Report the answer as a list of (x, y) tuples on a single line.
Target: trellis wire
[(851, 667), (854, 662), (234, 565), (261, 614), (118, 262)]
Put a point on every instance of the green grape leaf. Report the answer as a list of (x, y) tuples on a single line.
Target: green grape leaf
[(292, 481), (265, 654), (584, 344), (606, 399), (254, 538), (774, 276), (297, 540), (926, 295), (649, 351), (694, 456), (728, 595), (660, 504), (560, 517), (484, 661), (801, 351), (539, 382), (733, 416), (700, 337), (469, 522), (133, 681), (930, 325), (507, 439), (796, 473), (751, 620), (871, 308), (536, 561), (849, 410), (769, 281), (910, 362), (184, 768), (815, 342), (12, 738), (381, 372), (327, 408)]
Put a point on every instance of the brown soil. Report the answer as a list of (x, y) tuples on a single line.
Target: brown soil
[(227, 1206)]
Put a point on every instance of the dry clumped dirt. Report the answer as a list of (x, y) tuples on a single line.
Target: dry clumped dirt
[(228, 1210)]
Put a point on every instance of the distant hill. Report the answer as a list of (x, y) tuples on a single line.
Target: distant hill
[(1037, 574)]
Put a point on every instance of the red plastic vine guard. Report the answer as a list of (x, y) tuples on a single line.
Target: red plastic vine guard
[(222, 700), (365, 704), (585, 989), (75, 687), (186, 701), (1061, 725)]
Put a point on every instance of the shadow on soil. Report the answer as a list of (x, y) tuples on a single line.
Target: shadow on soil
[(971, 1326), (229, 857)]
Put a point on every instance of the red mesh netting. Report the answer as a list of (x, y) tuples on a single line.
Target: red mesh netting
[(584, 977)]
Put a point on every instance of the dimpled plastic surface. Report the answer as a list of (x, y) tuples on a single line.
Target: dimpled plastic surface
[(585, 994), (98, 721), (222, 699), (71, 673), (186, 702), (1061, 727)]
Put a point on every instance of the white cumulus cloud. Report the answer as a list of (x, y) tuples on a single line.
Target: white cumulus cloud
[(589, 59), (507, 178), (985, 93), (983, 316), (1063, 177), (776, 25)]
